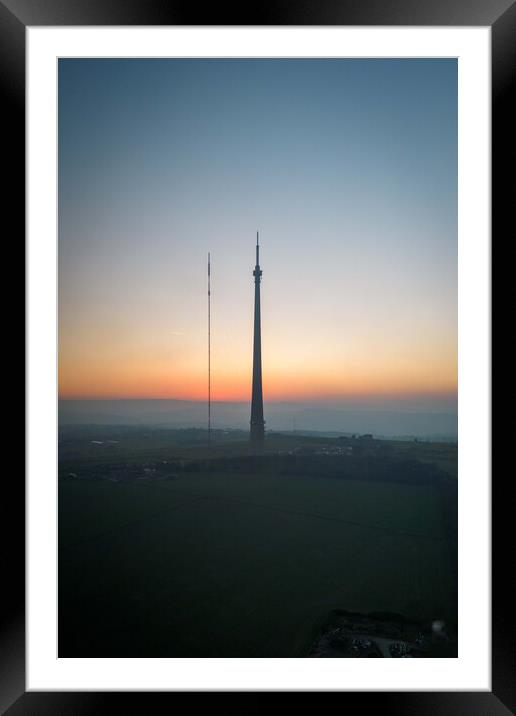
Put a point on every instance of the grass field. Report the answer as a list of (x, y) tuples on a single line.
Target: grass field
[(211, 564)]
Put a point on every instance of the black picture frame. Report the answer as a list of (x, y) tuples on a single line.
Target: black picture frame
[(500, 15)]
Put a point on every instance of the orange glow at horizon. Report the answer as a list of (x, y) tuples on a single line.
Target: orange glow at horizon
[(127, 361), (90, 381)]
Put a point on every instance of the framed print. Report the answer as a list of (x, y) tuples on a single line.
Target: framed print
[(190, 527)]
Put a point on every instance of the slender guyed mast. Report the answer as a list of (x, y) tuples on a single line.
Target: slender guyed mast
[(209, 350)]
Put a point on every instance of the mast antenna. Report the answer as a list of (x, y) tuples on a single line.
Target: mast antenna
[(209, 350)]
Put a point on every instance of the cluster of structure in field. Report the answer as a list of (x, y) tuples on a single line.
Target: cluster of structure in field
[(358, 636)]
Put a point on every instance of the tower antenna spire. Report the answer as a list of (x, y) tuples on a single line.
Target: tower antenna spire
[(209, 349)]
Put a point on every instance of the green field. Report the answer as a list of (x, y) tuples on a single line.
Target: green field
[(232, 564)]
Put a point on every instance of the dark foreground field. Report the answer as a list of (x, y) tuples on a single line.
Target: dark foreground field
[(170, 548)]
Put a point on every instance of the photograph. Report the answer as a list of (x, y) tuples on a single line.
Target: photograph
[(258, 248), (257, 357)]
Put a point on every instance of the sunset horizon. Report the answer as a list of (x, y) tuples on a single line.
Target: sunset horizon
[(348, 167)]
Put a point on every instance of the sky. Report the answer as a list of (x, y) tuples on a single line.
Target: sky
[(348, 168)]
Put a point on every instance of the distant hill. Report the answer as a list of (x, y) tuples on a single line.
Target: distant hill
[(438, 422)]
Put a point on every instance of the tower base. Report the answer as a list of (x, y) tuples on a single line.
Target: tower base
[(257, 434)]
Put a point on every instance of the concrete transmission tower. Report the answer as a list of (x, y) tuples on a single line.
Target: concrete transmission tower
[(257, 433)]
